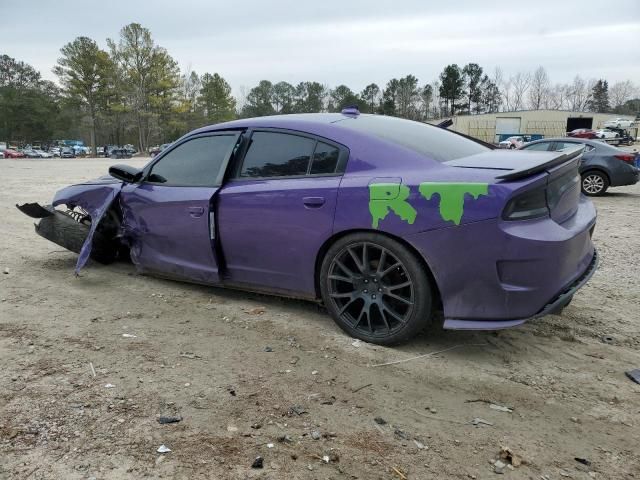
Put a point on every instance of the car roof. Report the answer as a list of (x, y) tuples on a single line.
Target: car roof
[(322, 124), (586, 141)]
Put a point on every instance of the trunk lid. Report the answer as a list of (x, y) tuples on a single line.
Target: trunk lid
[(517, 165), (563, 180)]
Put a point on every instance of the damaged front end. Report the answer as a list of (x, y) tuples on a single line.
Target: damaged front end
[(90, 225)]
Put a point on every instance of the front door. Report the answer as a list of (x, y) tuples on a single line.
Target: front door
[(278, 209), (168, 217)]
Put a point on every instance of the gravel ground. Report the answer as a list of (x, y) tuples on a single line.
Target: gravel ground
[(89, 365)]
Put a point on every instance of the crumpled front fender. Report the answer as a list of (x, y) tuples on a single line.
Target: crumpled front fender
[(95, 199)]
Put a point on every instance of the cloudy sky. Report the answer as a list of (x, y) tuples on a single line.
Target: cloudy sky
[(351, 42)]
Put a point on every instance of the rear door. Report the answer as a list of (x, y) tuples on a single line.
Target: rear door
[(277, 210), (168, 217)]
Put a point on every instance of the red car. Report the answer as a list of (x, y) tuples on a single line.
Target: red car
[(582, 133), (9, 153)]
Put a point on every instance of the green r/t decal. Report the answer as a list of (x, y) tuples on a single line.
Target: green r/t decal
[(385, 197), (452, 196)]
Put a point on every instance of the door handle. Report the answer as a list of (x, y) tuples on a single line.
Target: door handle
[(195, 212), (313, 202)]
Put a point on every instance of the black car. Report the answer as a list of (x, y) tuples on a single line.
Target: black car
[(119, 153), (602, 166)]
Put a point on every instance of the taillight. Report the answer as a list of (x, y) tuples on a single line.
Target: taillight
[(530, 204), (625, 157)]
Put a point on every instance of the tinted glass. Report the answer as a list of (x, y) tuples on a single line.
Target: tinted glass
[(566, 146), (538, 146), (194, 163), (325, 159), (273, 154), (428, 140)]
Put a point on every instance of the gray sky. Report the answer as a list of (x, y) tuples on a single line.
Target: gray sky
[(350, 42)]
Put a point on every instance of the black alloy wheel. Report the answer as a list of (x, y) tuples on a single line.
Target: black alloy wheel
[(376, 289)]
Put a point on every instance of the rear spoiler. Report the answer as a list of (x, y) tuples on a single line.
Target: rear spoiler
[(554, 162)]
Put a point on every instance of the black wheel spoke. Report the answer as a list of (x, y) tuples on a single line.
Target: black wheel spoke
[(393, 314), (359, 319), (340, 278), (356, 260), (365, 258), (347, 305), (384, 319), (399, 285), (344, 268), (399, 298), (381, 262), (369, 319), (342, 295), (392, 267)]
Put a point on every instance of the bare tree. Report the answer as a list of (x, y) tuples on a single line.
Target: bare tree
[(436, 103), (521, 83), (539, 91), (507, 94), (497, 81), (580, 94), (621, 92), (558, 96), (241, 98)]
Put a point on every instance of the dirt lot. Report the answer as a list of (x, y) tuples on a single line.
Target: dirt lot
[(287, 384)]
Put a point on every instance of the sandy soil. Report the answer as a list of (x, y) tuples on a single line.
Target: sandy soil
[(201, 354)]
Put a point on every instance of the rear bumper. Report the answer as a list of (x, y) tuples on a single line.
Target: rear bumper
[(630, 176), (556, 305), (496, 274)]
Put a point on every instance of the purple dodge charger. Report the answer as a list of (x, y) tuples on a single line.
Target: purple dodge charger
[(384, 220)]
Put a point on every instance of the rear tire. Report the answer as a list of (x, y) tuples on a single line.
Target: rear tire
[(63, 230), (594, 183), (376, 289)]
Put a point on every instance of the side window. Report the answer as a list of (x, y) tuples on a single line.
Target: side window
[(325, 159), (544, 146), (559, 146), (273, 154), (195, 163)]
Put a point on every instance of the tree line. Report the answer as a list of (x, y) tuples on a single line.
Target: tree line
[(134, 92)]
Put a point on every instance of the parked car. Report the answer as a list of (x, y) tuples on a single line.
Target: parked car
[(602, 165), (618, 123), (67, 152), (582, 133), (604, 133), (119, 153), (55, 151), (512, 142), (383, 219), (79, 150), (43, 154), (11, 153), (153, 151), (30, 153)]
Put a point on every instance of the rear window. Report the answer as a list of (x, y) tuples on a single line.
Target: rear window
[(428, 140)]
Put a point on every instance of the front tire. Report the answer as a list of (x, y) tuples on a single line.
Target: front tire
[(65, 231), (376, 289), (594, 183)]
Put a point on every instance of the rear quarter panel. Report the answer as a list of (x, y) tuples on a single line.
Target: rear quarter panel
[(395, 190)]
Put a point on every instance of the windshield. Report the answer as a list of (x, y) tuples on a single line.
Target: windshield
[(428, 140)]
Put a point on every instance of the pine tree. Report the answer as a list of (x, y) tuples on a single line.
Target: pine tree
[(599, 101)]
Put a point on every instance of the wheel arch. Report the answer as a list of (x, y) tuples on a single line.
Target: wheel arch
[(437, 304), (596, 169)]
